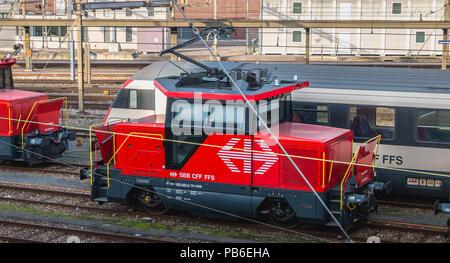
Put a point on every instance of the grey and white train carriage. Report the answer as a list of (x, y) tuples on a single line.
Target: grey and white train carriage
[(410, 108)]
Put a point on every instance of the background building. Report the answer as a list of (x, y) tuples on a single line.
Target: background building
[(363, 42), (7, 34), (284, 41), (99, 38)]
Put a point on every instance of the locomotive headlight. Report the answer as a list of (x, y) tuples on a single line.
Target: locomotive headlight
[(35, 141), (356, 199)]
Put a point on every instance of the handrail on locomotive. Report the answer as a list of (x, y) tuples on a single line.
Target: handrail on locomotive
[(27, 121)]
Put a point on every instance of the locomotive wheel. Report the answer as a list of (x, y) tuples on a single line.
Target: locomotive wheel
[(285, 218), (151, 203)]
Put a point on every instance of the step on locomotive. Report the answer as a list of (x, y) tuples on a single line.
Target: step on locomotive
[(209, 154), (30, 128)]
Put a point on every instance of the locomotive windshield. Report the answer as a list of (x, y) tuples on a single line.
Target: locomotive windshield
[(134, 99), (226, 117), (6, 81)]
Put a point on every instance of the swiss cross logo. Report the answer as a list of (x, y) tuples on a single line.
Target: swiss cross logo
[(229, 153)]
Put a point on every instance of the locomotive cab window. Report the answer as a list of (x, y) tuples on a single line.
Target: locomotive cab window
[(213, 117), (368, 122), (272, 111), (310, 114), (134, 99), (6, 78), (433, 126), (2, 78)]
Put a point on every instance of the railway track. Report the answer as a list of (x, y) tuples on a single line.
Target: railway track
[(406, 204), (51, 233), (80, 200), (43, 170), (59, 169)]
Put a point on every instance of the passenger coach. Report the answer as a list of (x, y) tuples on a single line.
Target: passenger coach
[(412, 116)]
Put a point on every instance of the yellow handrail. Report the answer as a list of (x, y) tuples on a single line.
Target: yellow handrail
[(376, 153), (323, 169), (18, 122), (346, 173), (378, 137), (331, 169), (32, 109), (138, 133), (90, 141), (9, 119)]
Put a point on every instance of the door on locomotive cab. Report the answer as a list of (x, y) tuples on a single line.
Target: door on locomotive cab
[(143, 153), (183, 138), (5, 124)]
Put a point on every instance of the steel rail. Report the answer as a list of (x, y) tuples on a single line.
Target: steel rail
[(406, 227), (83, 232)]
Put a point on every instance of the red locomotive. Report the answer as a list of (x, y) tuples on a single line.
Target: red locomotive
[(208, 154), (30, 128)]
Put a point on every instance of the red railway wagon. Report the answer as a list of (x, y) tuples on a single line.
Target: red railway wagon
[(30, 128), (209, 154)]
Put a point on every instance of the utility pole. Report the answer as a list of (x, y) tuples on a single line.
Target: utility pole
[(87, 63), (215, 48), (44, 31), (71, 42), (80, 73), (307, 48), (173, 41), (445, 46), (26, 40), (27, 49)]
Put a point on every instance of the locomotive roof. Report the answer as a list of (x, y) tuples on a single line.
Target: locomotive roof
[(327, 76), (219, 90), (168, 68), (7, 62), (10, 95)]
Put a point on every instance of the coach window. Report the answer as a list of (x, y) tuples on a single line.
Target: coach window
[(433, 125), (368, 122), (311, 114)]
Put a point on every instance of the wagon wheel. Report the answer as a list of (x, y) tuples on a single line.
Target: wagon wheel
[(285, 218), (151, 203)]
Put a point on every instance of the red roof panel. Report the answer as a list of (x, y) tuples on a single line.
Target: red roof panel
[(8, 95)]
